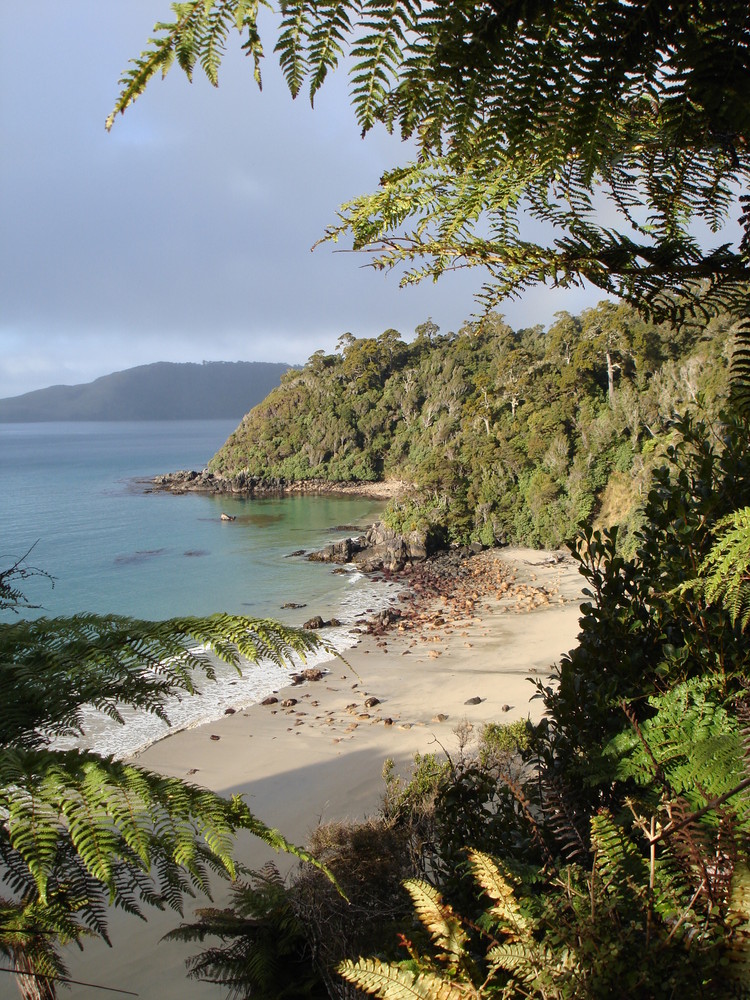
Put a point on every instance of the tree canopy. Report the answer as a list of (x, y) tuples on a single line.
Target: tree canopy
[(512, 435), (570, 113)]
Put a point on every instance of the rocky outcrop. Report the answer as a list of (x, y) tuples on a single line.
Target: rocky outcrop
[(243, 484), (380, 548), (187, 481)]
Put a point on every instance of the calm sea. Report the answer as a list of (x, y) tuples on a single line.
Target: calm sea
[(70, 493)]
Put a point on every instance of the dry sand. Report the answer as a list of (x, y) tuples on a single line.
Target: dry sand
[(322, 758)]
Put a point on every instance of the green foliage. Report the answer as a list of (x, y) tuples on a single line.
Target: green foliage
[(284, 938), (629, 804), (500, 739), (264, 949), (723, 576), (639, 635), (523, 110), (81, 831), (622, 929), (505, 435)]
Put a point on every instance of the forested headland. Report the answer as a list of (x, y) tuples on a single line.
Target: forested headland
[(507, 435)]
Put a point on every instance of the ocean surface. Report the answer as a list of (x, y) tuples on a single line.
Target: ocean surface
[(74, 498)]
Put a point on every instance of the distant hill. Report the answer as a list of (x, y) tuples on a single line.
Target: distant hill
[(162, 391)]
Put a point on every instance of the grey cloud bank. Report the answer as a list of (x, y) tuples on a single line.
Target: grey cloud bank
[(184, 234)]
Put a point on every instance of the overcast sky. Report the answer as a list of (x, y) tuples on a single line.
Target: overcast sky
[(185, 234)]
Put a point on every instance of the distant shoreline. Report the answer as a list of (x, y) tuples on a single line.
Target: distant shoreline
[(190, 481)]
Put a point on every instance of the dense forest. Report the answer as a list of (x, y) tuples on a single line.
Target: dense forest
[(507, 435)]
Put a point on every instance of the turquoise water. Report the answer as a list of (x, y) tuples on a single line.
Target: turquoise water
[(70, 490)]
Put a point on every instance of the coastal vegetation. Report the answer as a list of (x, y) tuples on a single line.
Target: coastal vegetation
[(608, 857), (81, 831), (519, 436)]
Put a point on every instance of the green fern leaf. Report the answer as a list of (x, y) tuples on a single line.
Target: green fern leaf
[(738, 947)]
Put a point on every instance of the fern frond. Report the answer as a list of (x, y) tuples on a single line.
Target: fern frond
[(326, 40), (531, 964), (498, 887), (740, 365), (724, 575), (394, 983), (621, 867), (439, 919), (738, 947), (295, 27), (51, 668)]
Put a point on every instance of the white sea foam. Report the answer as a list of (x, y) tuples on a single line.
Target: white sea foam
[(230, 690)]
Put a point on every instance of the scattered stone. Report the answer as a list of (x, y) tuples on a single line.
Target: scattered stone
[(270, 700), (193, 770), (229, 711), (288, 702), (228, 517), (474, 701), (215, 737), (440, 717), (388, 722), (312, 674), (316, 622), (505, 708), (291, 604), (371, 702)]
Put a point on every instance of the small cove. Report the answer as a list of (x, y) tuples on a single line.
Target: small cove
[(71, 493)]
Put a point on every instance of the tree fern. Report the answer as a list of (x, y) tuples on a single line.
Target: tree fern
[(79, 831)]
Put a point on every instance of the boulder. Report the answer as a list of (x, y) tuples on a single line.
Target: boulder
[(337, 552), (316, 622)]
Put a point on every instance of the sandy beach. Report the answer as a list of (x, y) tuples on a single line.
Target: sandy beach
[(317, 753)]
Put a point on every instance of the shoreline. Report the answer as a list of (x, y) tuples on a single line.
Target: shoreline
[(243, 485), (461, 657)]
